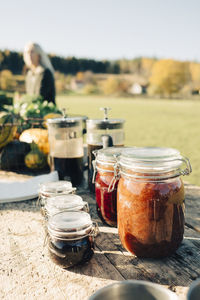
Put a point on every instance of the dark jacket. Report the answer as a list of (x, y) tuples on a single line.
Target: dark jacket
[(41, 83)]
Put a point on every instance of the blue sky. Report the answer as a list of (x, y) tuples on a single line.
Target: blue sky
[(104, 29)]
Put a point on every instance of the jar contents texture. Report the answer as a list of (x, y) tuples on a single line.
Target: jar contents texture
[(66, 253), (106, 201), (150, 216)]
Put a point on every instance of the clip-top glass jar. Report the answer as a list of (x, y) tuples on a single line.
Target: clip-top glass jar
[(61, 203), (71, 238), (106, 200), (150, 200)]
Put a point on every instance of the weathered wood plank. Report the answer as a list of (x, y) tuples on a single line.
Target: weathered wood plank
[(192, 203), (25, 266), (179, 269), (27, 272)]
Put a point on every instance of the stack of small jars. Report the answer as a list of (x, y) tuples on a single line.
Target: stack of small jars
[(70, 230), (140, 191)]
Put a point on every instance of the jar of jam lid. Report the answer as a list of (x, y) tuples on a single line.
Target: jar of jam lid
[(106, 200), (52, 189), (71, 238), (61, 203), (150, 200)]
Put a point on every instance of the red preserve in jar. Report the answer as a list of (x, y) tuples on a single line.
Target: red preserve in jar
[(150, 200), (106, 199)]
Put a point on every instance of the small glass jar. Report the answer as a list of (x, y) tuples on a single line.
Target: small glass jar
[(52, 189), (106, 200), (150, 200), (70, 202), (71, 238)]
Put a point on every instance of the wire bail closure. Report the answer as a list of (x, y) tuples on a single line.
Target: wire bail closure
[(94, 165), (95, 229), (188, 168), (115, 178)]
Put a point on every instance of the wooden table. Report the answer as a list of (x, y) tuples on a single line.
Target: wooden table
[(26, 272)]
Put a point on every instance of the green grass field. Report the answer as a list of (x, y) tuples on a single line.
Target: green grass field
[(168, 123)]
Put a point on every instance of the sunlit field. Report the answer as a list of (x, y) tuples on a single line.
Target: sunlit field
[(168, 123)]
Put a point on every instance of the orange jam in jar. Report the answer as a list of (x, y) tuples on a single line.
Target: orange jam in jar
[(106, 198), (150, 201)]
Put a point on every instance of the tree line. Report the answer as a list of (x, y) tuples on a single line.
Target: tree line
[(163, 77), (13, 61)]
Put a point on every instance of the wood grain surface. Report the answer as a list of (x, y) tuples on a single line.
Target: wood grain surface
[(26, 272)]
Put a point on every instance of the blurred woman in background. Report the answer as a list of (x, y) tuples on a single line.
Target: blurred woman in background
[(40, 76)]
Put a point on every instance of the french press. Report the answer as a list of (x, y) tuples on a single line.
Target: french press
[(66, 148), (102, 133)]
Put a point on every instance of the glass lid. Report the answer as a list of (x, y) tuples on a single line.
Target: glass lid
[(151, 153), (69, 223), (64, 202), (108, 154), (56, 187), (151, 159)]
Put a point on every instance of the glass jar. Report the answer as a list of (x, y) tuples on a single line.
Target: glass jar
[(70, 238), (70, 202), (150, 200), (52, 189), (106, 200)]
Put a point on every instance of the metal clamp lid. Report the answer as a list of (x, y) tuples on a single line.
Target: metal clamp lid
[(153, 162), (158, 173)]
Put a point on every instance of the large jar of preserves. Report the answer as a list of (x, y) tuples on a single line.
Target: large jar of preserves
[(150, 200), (106, 197)]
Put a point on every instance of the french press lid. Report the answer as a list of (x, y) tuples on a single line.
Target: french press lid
[(105, 123), (65, 122)]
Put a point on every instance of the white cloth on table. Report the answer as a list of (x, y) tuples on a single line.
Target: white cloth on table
[(26, 190)]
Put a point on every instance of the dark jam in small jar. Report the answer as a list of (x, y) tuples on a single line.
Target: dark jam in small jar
[(150, 201), (70, 238), (106, 198)]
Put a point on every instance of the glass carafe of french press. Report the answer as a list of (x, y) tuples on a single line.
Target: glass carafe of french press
[(102, 133), (66, 148)]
